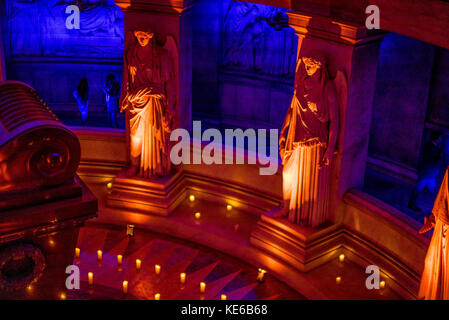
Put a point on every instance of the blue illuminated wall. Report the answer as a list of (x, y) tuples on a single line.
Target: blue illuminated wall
[(244, 62), (43, 52), (243, 57)]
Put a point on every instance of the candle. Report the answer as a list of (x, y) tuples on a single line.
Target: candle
[(202, 287), (157, 269), (130, 230), (341, 257), (229, 207), (338, 280), (192, 198), (77, 253), (100, 255), (125, 287), (260, 275), (138, 264), (197, 215), (109, 185), (63, 296), (119, 259), (90, 275), (157, 296), (224, 297), (382, 284), (183, 278)]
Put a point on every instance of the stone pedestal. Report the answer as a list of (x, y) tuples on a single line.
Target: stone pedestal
[(155, 196), (302, 247)]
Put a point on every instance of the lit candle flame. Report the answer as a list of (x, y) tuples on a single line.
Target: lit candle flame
[(183, 278), (261, 275), (202, 287)]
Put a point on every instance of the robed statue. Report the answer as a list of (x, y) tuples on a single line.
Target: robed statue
[(149, 98), (435, 278), (308, 140)]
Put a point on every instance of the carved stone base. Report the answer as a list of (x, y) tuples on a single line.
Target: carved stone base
[(156, 196), (302, 247), (45, 234), (13, 200)]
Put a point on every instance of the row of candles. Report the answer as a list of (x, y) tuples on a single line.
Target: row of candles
[(261, 273), (198, 214), (341, 258), (157, 270), (157, 296)]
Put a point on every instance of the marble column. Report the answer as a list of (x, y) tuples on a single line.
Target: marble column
[(355, 50), (167, 17)]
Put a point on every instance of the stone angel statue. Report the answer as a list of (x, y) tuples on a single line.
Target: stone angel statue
[(435, 278), (149, 98), (308, 140)]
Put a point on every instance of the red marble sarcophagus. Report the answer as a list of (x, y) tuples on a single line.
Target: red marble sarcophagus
[(42, 201)]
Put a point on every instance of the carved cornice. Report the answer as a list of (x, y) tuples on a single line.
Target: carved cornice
[(331, 29), (161, 6)]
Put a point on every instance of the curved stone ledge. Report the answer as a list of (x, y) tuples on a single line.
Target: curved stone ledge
[(367, 230)]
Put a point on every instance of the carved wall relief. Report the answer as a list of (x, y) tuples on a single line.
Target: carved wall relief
[(257, 39), (38, 28)]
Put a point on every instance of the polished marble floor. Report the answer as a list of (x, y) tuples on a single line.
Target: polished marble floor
[(222, 274)]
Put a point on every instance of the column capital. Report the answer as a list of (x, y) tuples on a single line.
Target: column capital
[(344, 32), (162, 6)]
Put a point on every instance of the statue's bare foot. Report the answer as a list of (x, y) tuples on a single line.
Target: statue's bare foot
[(429, 223)]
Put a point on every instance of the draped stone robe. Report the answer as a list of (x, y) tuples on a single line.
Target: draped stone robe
[(305, 181), (435, 278), (148, 107)]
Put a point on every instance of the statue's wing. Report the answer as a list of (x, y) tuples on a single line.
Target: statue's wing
[(171, 47), (341, 86), (298, 62)]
